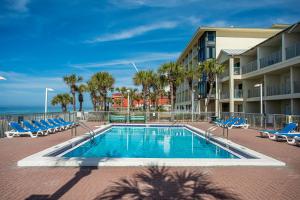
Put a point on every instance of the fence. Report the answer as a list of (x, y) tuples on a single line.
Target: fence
[(256, 120)]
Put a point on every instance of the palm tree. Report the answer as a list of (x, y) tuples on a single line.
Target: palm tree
[(71, 81), (211, 68), (158, 88), (81, 89), (191, 75), (145, 79), (92, 88), (104, 83), (63, 99), (174, 75)]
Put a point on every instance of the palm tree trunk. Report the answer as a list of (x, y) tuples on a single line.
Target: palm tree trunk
[(172, 97), (74, 101), (209, 96), (144, 100)]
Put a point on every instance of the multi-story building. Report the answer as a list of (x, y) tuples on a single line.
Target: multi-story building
[(274, 63), (207, 43), (119, 102)]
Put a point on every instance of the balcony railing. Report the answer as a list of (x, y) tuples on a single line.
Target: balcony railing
[(237, 71), (249, 67), (195, 53), (271, 59), (296, 86), (238, 93), (278, 90), (224, 95), (254, 92), (224, 74), (293, 51)]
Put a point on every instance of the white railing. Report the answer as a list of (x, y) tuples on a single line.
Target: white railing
[(249, 67), (278, 90), (271, 59), (293, 51)]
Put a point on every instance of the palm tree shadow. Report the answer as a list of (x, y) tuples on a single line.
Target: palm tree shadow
[(161, 183)]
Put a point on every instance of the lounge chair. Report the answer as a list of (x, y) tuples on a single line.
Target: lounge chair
[(117, 118), (240, 124), (231, 123), (48, 125), (68, 125), (287, 129), (294, 140), (137, 118), (64, 127), (225, 122), (41, 126), (30, 127), (283, 136), (73, 123), (18, 130)]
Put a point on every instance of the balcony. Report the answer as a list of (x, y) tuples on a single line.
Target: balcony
[(254, 92), (296, 86), (278, 90), (238, 93), (224, 74), (293, 51), (249, 67), (271, 59), (237, 71), (224, 95), (195, 53)]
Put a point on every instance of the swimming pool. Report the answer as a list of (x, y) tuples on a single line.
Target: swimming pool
[(144, 145), (149, 142)]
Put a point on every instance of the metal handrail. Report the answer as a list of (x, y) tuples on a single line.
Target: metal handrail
[(91, 131)]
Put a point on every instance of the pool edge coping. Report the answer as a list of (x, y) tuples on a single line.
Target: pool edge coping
[(40, 159)]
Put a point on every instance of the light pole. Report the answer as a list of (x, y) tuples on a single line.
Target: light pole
[(2, 78), (128, 103), (193, 93), (261, 102), (46, 99), (261, 96)]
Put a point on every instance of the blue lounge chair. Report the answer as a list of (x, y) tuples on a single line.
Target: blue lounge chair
[(240, 124), (31, 128), (287, 129), (289, 137), (18, 130), (68, 125), (225, 122), (63, 127), (45, 123), (41, 126), (73, 123), (232, 122)]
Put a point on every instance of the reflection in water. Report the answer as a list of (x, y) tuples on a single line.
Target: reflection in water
[(150, 142)]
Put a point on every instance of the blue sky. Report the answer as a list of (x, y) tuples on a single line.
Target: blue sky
[(43, 40)]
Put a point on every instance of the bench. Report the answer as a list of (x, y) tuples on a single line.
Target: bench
[(137, 118), (117, 118)]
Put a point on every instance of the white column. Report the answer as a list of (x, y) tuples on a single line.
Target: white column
[(283, 52), (217, 101), (258, 57), (46, 100), (231, 85)]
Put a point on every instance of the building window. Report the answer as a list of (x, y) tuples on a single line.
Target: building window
[(211, 36), (211, 52)]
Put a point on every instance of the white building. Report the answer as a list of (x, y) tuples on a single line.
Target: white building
[(274, 63), (207, 43)]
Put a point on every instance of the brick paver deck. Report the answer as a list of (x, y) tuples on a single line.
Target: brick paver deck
[(87, 183)]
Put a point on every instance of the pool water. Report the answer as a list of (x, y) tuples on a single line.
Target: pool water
[(149, 142)]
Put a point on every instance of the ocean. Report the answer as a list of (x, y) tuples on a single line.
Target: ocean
[(31, 109)]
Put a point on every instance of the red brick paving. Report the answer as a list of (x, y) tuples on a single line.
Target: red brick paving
[(73, 183)]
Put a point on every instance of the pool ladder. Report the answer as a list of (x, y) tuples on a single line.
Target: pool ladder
[(91, 132), (208, 131)]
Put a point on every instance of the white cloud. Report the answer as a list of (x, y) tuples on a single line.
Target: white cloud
[(149, 3), (18, 5), (130, 33), (141, 58)]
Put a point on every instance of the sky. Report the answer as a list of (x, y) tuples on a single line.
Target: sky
[(43, 40)]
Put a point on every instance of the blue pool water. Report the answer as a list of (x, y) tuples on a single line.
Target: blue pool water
[(149, 142)]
